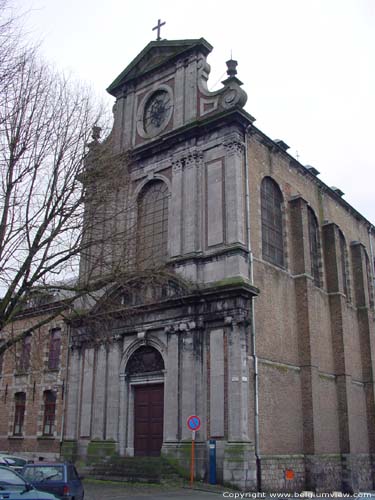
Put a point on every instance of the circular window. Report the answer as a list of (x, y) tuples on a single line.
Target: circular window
[(157, 111)]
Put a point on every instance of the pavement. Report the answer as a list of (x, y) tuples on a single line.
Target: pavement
[(103, 490), (110, 490)]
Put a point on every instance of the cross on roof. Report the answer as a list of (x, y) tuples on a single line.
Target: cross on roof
[(157, 27)]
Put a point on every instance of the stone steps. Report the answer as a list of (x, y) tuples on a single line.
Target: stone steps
[(134, 469)]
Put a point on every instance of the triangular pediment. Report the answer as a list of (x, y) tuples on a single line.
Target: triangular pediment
[(154, 55)]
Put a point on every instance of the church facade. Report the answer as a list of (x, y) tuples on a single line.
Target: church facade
[(270, 340)]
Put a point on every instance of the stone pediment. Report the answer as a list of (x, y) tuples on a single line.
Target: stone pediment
[(154, 55)]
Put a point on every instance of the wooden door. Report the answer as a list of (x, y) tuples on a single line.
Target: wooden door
[(148, 419)]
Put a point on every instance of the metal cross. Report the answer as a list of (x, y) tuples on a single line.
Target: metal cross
[(159, 25)]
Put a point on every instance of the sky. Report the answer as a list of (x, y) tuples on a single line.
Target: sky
[(308, 66)]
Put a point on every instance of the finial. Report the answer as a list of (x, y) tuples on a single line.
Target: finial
[(96, 131), (231, 65)]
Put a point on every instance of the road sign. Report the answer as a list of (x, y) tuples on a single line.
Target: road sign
[(194, 423), (289, 474)]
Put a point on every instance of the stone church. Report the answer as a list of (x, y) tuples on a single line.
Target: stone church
[(271, 339)]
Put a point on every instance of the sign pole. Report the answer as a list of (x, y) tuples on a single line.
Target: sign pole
[(194, 424), (192, 458)]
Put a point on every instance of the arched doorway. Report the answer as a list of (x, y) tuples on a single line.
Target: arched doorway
[(143, 369)]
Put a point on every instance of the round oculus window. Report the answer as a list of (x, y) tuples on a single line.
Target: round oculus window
[(157, 112)]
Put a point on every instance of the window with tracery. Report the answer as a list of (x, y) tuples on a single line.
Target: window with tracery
[(272, 222), (143, 360), (49, 413), (19, 413), (314, 246), (152, 237)]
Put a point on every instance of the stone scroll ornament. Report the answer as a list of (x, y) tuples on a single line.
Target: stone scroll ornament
[(230, 96)]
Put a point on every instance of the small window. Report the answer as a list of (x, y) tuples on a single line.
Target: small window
[(314, 246), (54, 349), (24, 361), (49, 413), (19, 413), (272, 222)]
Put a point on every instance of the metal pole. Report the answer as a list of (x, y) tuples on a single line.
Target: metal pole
[(252, 323), (192, 458)]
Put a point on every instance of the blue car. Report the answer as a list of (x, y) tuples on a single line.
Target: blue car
[(59, 478), (14, 487)]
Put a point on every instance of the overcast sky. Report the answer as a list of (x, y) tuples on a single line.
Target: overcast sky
[(308, 66)]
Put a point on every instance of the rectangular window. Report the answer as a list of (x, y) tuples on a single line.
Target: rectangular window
[(24, 361), (19, 413), (49, 413), (54, 349)]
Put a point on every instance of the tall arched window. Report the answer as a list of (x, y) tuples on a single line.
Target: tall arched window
[(19, 413), (314, 246), (152, 235), (272, 222), (344, 265), (49, 413)]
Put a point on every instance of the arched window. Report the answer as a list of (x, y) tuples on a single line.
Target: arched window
[(143, 360), (152, 235), (54, 349), (272, 222), (49, 413), (314, 246), (344, 265), (19, 413)]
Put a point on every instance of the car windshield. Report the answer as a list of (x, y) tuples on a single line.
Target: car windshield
[(14, 460), (38, 473), (8, 477)]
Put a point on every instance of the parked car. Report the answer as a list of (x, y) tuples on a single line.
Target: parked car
[(14, 487), (15, 463), (59, 478)]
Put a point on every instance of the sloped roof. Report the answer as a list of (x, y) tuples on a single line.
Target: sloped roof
[(155, 54)]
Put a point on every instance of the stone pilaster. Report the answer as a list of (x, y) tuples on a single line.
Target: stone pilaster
[(239, 467), (175, 219), (234, 190), (72, 403), (171, 391)]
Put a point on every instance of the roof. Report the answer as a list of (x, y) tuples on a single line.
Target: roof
[(155, 54)]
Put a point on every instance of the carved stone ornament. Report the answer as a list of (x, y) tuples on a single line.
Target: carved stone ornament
[(143, 360), (230, 96)]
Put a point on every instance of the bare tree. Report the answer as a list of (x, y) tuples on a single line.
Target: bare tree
[(65, 197)]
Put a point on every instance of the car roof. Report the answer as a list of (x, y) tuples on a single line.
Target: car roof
[(47, 464)]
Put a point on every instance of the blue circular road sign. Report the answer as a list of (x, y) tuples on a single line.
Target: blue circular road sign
[(194, 423)]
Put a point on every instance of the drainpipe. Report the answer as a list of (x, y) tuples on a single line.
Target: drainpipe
[(252, 323), (65, 391), (372, 267)]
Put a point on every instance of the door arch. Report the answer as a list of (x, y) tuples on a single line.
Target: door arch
[(144, 373)]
